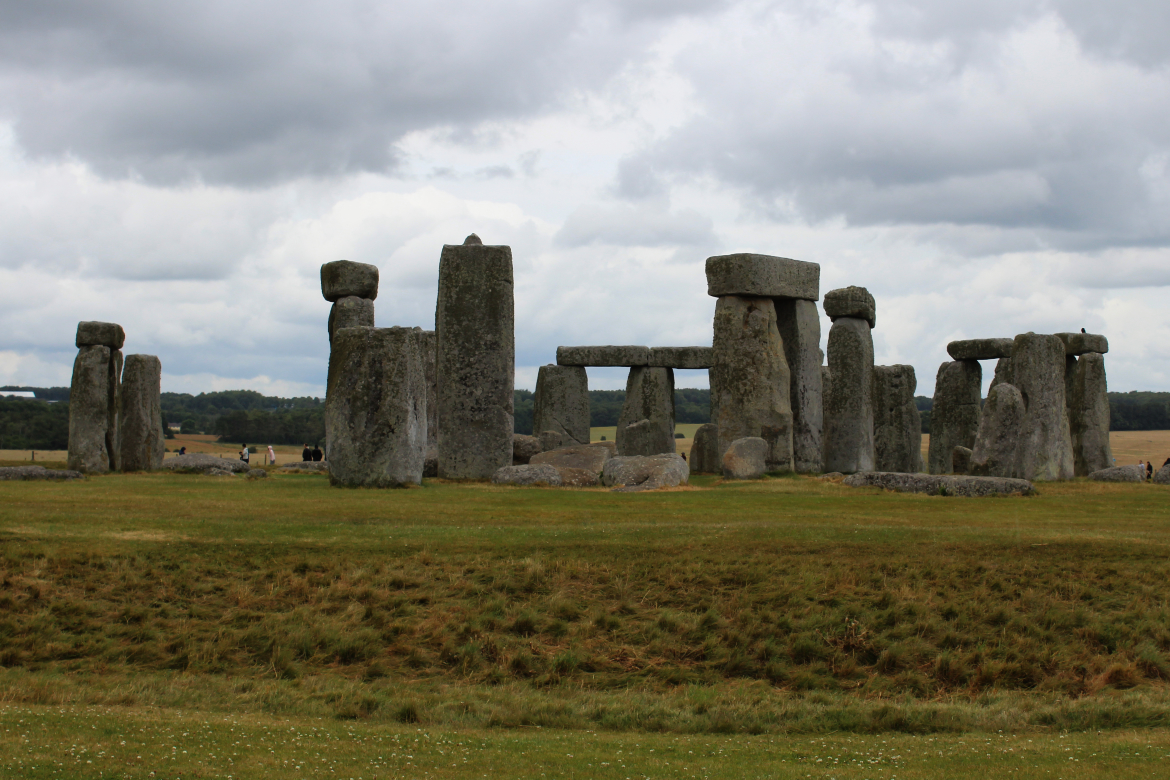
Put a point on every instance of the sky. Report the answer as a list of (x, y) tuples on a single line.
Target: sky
[(983, 167)]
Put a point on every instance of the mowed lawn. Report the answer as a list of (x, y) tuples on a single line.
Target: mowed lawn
[(787, 627)]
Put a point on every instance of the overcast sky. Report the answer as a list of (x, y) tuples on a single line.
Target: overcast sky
[(984, 167)]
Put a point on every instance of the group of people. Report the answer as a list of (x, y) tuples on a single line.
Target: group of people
[(246, 454), (314, 454), (1149, 467)]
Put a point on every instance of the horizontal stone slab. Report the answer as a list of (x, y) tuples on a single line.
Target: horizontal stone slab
[(763, 276), (682, 357), (1134, 473), (941, 484), (343, 278), (100, 334), (603, 356), (853, 302), (27, 473), (980, 349), (1080, 343)]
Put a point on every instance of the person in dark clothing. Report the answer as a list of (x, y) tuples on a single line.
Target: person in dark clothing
[(317, 454), (306, 453), (1167, 463), (1149, 469), (1082, 330)]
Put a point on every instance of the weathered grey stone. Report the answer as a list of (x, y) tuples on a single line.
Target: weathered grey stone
[(1003, 372), (523, 448), (1081, 343), (1134, 473), (527, 475), (646, 423), (217, 472), (589, 457), (1038, 367), (897, 425), (941, 485), (257, 473), (980, 349), (954, 415), (853, 302), (344, 278), (762, 276), (89, 411), (351, 312), (31, 473), (994, 453), (552, 440), (376, 408), (849, 444), (427, 346), (431, 463), (142, 436), (475, 321), (705, 450), (1088, 412), (682, 357), (1162, 475), (571, 477), (799, 324), (649, 472), (961, 460), (750, 381), (100, 334), (608, 356), (306, 466), (201, 462), (561, 403), (746, 458)]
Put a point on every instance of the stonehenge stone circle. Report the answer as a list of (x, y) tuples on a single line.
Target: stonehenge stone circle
[(996, 443), (142, 438), (376, 408), (551, 440), (587, 457), (961, 460), (746, 458), (561, 403), (980, 349), (648, 472), (954, 415), (849, 444), (475, 326), (750, 381), (1080, 343), (763, 276), (646, 423), (91, 424), (601, 357), (682, 357), (100, 334), (351, 312), (523, 448), (897, 424), (527, 475), (1038, 369), (1088, 412), (705, 450), (799, 325), (855, 302), (427, 344), (345, 278), (1003, 372)]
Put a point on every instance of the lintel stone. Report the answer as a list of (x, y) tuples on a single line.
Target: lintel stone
[(343, 278), (627, 356), (1082, 343), (980, 349), (762, 276), (682, 357), (853, 302), (100, 334)]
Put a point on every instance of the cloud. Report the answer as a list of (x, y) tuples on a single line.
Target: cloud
[(624, 225)]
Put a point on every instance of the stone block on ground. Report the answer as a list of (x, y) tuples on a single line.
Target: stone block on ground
[(646, 422), (682, 357), (954, 415), (350, 312), (256, 473), (648, 472), (523, 448), (141, 438), (199, 462), (1038, 371), (571, 477), (561, 403), (1162, 475), (589, 457), (705, 450), (745, 458), (527, 475), (1134, 473), (961, 460), (607, 356), (799, 324), (553, 440), (897, 424), (345, 278), (1080, 343), (980, 349), (854, 302), (762, 276), (100, 334), (318, 466), (90, 419), (941, 484), (849, 443), (33, 473), (1087, 399), (998, 437)]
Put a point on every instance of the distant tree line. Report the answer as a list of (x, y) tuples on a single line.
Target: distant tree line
[(691, 405), (33, 425)]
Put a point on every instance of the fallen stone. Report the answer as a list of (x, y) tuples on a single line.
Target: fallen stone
[(954, 415), (199, 462), (646, 422), (849, 444), (1162, 475), (90, 419), (100, 334), (217, 472), (941, 485), (745, 458), (832, 476), (1038, 370), (350, 312), (527, 475), (1087, 399), (561, 403), (1080, 343), (961, 460), (762, 276), (306, 465), (980, 349), (799, 324), (994, 453), (29, 473), (1134, 473), (257, 473), (552, 440), (854, 302), (344, 278), (897, 424), (608, 356), (142, 439), (682, 357), (588, 457), (650, 472), (523, 448), (571, 477), (705, 450)]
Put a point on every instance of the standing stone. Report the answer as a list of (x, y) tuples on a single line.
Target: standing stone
[(705, 450), (1038, 368), (351, 312), (114, 409), (89, 411), (799, 325), (475, 326), (961, 460), (142, 438), (561, 403), (427, 344), (552, 440), (646, 423), (376, 408), (897, 425), (750, 381), (849, 444), (745, 458), (1088, 413), (954, 415), (994, 453), (1003, 372)]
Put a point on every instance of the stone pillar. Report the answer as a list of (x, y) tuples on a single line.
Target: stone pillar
[(1088, 413), (561, 404), (351, 312), (95, 398), (375, 407), (142, 438), (750, 381), (954, 415), (351, 288), (849, 442), (705, 450), (427, 346), (476, 356), (996, 444), (799, 324), (897, 425), (1038, 367), (646, 423)]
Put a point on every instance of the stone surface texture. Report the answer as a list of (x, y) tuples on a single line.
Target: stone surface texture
[(763, 276), (31, 473), (849, 443), (551, 440), (100, 334), (1134, 473), (1080, 343), (607, 356), (588, 457), (527, 475), (1003, 372), (523, 448), (561, 403), (350, 312), (201, 462), (649, 472), (897, 425), (954, 415), (646, 423), (942, 485), (1038, 370), (854, 302), (142, 439), (93, 394), (427, 345), (682, 357), (751, 382), (475, 321), (961, 460), (799, 324), (1088, 412), (980, 349), (345, 278), (306, 465), (746, 458), (375, 408), (998, 438), (571, 477), (705, 450), (1162, 475)]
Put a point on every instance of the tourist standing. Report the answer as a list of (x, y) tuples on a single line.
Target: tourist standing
[(246, 455), (271, 455)]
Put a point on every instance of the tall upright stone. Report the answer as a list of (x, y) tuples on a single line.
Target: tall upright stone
[(351, 288), (142, 440), (95, 398), (351, 312), (897, 425), (1038, 370), (849, 419), (705, 450), (954, 415), (799, 324), (561, 403), (375, 407), (751, 381), (998, 440), (427, 345), (476, 356), (646, 423), (1088, 413)]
